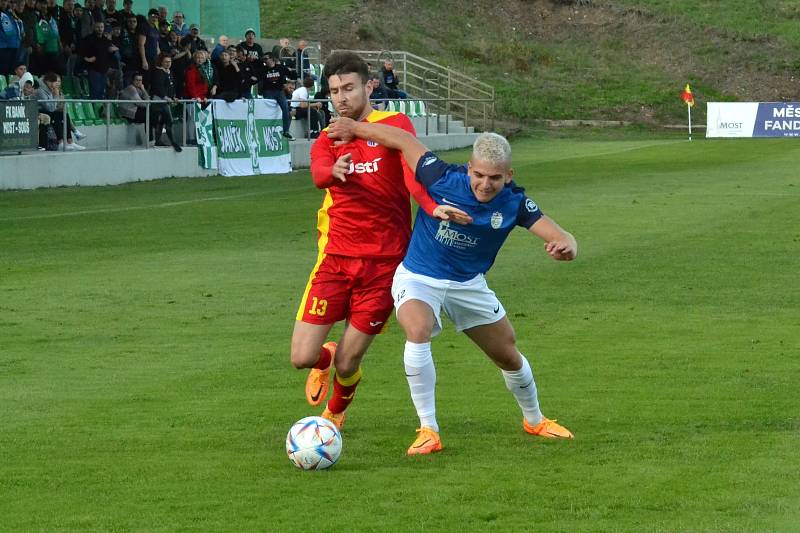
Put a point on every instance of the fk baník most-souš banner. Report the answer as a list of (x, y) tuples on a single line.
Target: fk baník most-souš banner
[(753, 119), (242, 138)]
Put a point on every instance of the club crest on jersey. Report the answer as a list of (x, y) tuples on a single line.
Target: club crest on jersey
[(372, 144), (497, 220), (367, 167)]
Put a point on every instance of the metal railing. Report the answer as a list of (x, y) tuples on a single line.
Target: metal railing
[(453, 92), (188, 111), (147, 104)]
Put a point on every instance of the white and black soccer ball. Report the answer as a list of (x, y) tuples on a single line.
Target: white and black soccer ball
[(314, 443)]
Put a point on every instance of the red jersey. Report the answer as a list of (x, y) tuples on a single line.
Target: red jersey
[(369, 215)]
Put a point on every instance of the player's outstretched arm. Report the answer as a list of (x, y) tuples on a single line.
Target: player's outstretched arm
[(558, 243), (343, 130)]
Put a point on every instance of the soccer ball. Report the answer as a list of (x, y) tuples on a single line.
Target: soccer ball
[(314, 443)]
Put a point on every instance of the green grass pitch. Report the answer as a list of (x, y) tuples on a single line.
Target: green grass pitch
[(145, 381)]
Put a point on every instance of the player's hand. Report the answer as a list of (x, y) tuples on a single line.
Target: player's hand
[(342, 130), (560, 251), (448, 212), (342, 167)]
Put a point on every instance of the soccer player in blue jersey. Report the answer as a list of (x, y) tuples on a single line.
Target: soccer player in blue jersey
[(445, 265)]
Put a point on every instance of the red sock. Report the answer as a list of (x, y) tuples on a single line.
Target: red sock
[(343, 394), (324, 359)]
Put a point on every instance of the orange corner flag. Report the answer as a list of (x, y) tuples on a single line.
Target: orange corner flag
[(687, 96)]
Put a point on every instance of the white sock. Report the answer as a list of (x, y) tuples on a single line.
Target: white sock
[(421, 376), (523, 387)]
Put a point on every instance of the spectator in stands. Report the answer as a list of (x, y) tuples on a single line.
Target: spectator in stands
[(181, 62), (250, 72), (253, 50), (112, 13), (197, 42), (147, 43), (164, 43), (162, 88), (324, 93), (163, 18), (96, 8), (127, 9), (222, 44), (229, 77), (288, 89), (53, 9), (19, 70), (135, 113), (127, 42), (303, 109), (10, 38), (27, 12), (16, 88), (179, 25), (200, 80), (390, 80), (302, 62), (378, 93), (48, 92), (16, 10), (47, 47), (273, 78), (281, 49), (97, 51), (86, 19), (69, 32)]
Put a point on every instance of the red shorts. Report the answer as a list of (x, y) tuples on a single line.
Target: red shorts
[(353, 288)]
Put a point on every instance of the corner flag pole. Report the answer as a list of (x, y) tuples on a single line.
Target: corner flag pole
[(688, 97)]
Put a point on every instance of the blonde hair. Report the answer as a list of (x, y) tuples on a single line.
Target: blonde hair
[(492, 148)]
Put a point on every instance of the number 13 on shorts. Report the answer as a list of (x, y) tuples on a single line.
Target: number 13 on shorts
[(318, 307)]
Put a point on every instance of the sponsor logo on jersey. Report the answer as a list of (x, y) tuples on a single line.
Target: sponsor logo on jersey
[(531, 206), (454, 238), (373, 324), (367, 167), (497, 220), (429, 161)]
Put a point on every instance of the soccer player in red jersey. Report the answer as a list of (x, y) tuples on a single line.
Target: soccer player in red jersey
[(364, 226)]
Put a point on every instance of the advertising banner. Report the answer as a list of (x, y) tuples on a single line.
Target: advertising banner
[(753, 119), (204, 128), (249, 138), (19, 125)]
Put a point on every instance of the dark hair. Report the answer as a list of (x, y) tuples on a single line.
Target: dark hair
[(161, 57), (50, 77), (340, 63), (308, 82)]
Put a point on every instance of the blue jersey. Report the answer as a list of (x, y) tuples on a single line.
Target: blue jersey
[(444, 250)]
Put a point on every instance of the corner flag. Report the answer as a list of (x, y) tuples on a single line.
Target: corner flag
[(687, 96)]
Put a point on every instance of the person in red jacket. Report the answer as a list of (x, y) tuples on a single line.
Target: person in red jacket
[(364, 226), (199, 80)]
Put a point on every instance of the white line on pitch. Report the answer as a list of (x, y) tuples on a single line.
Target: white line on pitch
[(152, 206)]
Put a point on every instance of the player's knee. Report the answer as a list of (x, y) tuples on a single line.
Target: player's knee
[(418, 333), (346, 366), (304, 358)]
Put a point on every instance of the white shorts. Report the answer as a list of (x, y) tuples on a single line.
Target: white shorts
[(467, 303)]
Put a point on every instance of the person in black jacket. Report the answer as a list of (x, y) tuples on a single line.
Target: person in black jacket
[(390, 80), (162, 87), (273, 78), (97, 51), (229, 78)]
